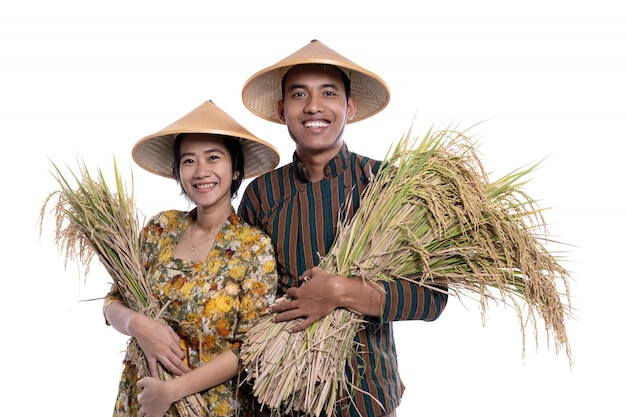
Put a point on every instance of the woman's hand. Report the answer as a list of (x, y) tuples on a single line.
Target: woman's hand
[(154, 397), (159, 342)]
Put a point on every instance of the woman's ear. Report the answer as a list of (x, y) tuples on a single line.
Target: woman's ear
[(236, 175)]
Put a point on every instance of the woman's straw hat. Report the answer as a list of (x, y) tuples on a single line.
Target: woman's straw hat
[(155, 153), (262, 91)]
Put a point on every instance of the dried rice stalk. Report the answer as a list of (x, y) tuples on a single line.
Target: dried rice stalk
[(430, 215), (93, 220)]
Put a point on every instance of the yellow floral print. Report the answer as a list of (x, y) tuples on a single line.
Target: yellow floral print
[(222, 409), (211, 303), (269, 266), (224, 304), (214, 265), (237, 272)]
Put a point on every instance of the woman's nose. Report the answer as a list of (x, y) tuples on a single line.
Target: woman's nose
[(203, 170)]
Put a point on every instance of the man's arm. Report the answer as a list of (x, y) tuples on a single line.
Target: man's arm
[(323, 292)]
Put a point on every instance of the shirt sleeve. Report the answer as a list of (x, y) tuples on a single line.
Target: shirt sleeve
[(249, 205), (406, 300)]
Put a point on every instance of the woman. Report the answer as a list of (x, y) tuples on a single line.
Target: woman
[(213, 274)]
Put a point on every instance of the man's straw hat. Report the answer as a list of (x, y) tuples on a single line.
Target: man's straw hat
[(155, 153), (263, 89)]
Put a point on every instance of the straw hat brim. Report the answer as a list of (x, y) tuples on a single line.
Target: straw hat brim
[(262, 91), (155, 152)]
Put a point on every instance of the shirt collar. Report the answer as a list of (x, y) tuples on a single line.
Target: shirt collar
[(334, 167)]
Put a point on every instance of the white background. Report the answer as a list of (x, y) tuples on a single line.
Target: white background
[(89, 78)]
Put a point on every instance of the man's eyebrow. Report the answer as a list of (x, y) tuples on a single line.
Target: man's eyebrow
[(327, 85)]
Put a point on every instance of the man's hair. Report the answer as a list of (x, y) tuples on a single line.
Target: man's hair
[(344, 78)]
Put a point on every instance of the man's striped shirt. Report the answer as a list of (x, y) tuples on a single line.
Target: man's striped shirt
[(302, 218)]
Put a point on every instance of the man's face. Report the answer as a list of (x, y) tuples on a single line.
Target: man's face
[(316, 108)]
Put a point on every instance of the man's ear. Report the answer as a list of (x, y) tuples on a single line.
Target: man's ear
[(280, 107), (351, 107)]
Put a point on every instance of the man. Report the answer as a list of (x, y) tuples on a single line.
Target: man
[(315, 92)]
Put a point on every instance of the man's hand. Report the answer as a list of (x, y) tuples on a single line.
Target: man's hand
[(322, 292), (312, 301)]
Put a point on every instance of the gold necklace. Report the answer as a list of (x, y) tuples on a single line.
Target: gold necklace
[(193, 247)]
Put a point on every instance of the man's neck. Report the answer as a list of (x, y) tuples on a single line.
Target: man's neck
[(315, 162)]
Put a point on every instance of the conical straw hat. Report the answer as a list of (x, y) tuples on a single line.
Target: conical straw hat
[(262, 91), (155, 153)]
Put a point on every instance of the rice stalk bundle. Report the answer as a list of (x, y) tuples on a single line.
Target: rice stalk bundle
[(430, 215), (95, 220)]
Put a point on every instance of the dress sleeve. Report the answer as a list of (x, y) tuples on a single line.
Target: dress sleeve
[(258, 288), (112, 296)]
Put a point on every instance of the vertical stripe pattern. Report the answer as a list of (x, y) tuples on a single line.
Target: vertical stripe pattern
[(302, 219)]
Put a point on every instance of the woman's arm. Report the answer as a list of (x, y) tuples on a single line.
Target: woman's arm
[(157, 340), (157, 396)]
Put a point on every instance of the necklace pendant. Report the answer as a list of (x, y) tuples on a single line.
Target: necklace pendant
[(192, 248)]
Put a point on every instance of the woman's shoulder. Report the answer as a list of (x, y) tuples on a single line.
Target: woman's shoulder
[(245, 227), (168, 219)]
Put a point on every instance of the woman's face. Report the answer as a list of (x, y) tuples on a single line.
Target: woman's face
[(206, 170)]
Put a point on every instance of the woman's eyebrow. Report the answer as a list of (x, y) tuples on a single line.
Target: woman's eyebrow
[(211, 150)]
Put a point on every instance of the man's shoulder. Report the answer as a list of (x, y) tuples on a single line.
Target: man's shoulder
[(363, 161), (367, 159), (273, 185), (279, 173)]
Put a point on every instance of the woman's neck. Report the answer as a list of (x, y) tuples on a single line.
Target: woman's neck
[(212, 219)]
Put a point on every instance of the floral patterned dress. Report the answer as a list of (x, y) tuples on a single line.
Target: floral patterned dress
[(212, 302)]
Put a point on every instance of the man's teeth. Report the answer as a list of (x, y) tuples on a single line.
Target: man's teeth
[(205, 186), (317, 123)]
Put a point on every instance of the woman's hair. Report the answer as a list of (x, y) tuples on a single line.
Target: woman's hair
[(344, 78), (236, 155)]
